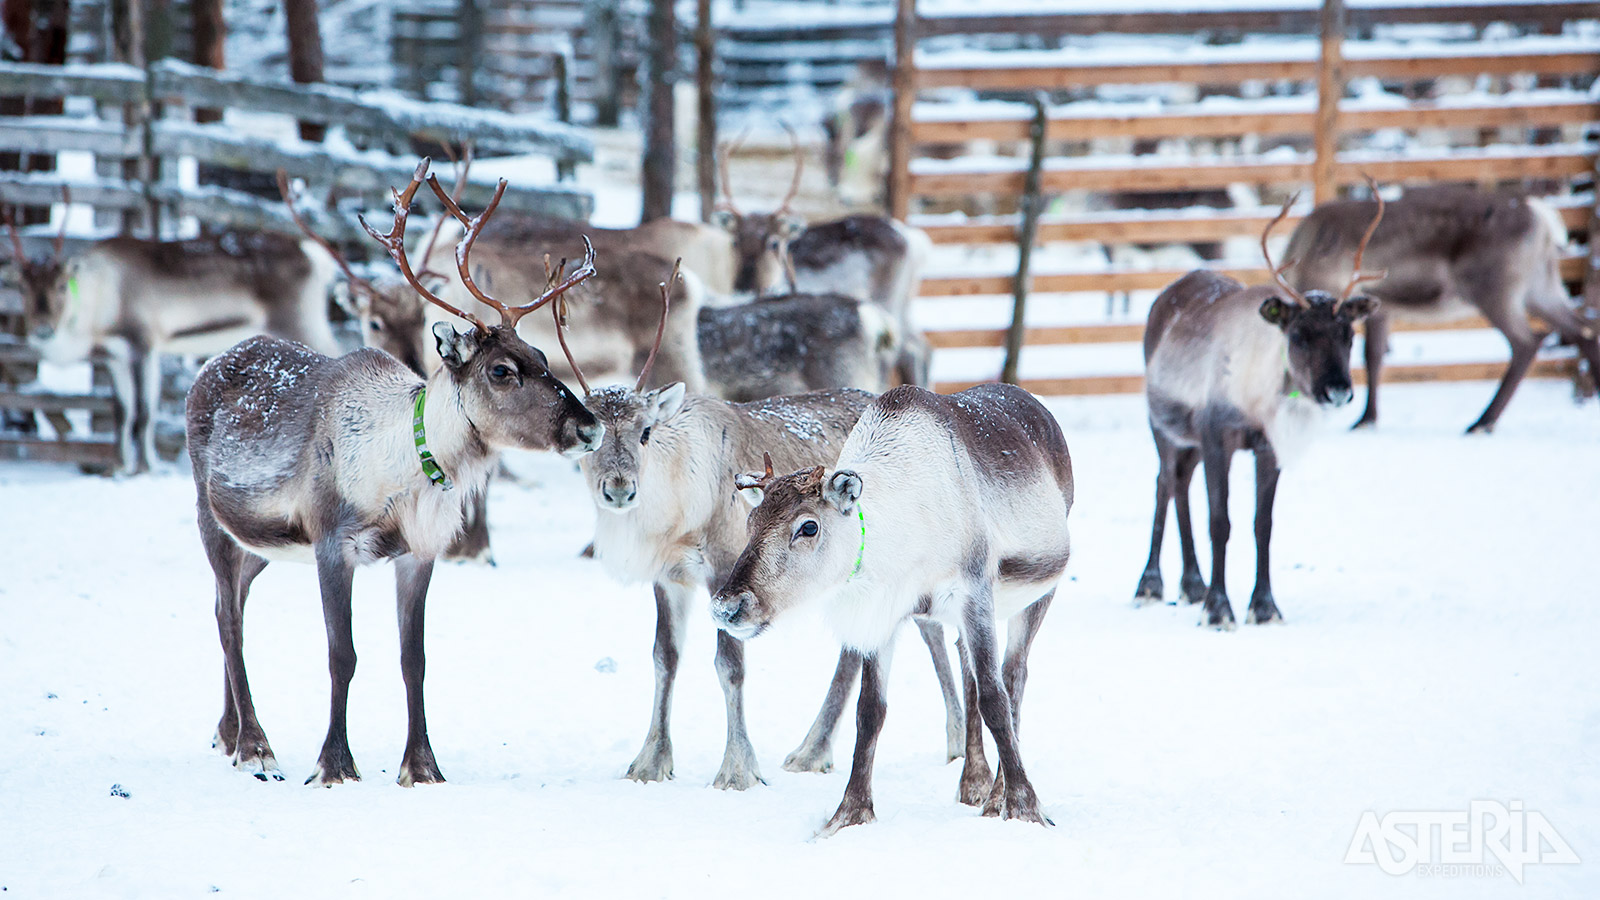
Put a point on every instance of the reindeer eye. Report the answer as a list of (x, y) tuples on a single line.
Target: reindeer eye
[(502, 371), (376, 325), (644, 436), (808, 528)]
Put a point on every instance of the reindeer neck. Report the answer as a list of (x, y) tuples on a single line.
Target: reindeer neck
[(445, 434)]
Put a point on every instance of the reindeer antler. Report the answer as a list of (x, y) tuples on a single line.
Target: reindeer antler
[(463, 166), (724, 150), (799, 169), (395, 243), (56, 246), (1356, 275), (1277, 271), (290, 197), (558, 311), (661, 327)]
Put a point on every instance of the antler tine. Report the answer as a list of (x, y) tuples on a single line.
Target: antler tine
[(60, 242), (474, 227), (582, 273), (558, 311), (799, 169), (289, 198), (1277, 271), (462, 168), (724, 150), (661, 327), (395, 243), (1356, 275), (766, 460)]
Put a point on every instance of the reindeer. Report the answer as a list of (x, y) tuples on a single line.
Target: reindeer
[(659, 484), (794, 344), (1449, 251), (353, 460), (1231, 368), (988, 468), (138, 299), (760, 240)]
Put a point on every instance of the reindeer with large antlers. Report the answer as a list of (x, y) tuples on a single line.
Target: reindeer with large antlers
[(1447, 252), (353, 460), (1230, 368), (137, 299), (660, 483)]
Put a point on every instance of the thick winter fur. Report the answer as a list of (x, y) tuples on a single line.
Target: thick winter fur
[(138, 299), (662, 483), (954, 508), (612, 317), (301, 456), (1232, 368), (1448, 252), (794, 344), (706, 250), (870, 258)]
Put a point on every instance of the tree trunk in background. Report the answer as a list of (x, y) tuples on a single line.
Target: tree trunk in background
[(305, 54), (36, 31), (705, 163), (210, 31), (660, 158)]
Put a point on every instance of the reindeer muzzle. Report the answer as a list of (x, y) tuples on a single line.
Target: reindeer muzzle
[(731, 611)]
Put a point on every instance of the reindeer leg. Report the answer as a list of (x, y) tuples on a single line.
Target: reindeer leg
[(149, 408), (239, 734), (472, 545), (1262, 608), (955, 720), (1151, 589), (975, 775), (1375, 341), (815, 753), (739, 770), (654, 762), (335, 572), (1012, 796), (1020, 632), (1524, 346), (1192, 585), (1217, 451), (871, 707), (120, 365), (411, 577)]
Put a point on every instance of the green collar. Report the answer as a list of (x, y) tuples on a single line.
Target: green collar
[(430, 468), (862, 552)]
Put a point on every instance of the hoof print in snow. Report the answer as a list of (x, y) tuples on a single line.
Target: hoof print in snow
[(118, 790)]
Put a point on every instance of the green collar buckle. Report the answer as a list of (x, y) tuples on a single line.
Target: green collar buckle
[(430, 467)]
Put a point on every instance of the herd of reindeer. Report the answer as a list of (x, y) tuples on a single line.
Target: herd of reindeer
[(760, 452)]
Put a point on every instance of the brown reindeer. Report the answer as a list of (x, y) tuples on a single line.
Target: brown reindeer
[(1231, 368), (1447, 252), (353, 460)]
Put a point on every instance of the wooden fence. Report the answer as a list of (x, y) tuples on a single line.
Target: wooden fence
[(1319, 132)]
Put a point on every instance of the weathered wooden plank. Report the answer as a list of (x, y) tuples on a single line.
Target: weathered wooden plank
[(52, 403), (95, 453), (112, 83), (1133, 333), (52, 134), (1133, 384)]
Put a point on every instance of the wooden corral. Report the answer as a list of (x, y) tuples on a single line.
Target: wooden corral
[(1306, 130)]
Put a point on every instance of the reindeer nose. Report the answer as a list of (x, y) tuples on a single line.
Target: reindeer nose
[(42, 333), (725, 609), (591, 435), (1339, 396), (619, 491)]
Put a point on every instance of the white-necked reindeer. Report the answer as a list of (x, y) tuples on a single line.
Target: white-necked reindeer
[(353, 460), (951, 507), (138, 299), (1448, 251), (661, 483), (1231, 368)]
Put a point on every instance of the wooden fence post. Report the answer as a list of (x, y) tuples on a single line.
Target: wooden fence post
[(469, 49), (1031, 206), (705, 161), (1330, 88), (904, 89), (660, 163)]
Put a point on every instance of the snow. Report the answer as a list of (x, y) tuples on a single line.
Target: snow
[(1439, 592)]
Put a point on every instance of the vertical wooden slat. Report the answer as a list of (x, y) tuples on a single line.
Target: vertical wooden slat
[(1330, 88), (1032, 205), (905, 89), (705, 162)]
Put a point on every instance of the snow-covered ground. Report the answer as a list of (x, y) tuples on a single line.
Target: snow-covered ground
[(1440, 593)]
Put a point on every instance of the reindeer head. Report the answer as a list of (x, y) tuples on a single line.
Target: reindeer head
[(804, 539), (760, 240), (504, 384), (41, 279), (1318, 327), (614, 472)]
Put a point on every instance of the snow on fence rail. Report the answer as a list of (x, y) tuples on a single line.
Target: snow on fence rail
[(1321, 135)]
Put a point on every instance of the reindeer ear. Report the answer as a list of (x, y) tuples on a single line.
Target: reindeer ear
[(725, 219), (455, 347), (842, 491), (1357, 308), (1276, 311), (749, 487), (666, 401), (790, 227), (355, 304)]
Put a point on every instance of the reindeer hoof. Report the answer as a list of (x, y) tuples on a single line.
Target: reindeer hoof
[(654, 763), (848, 814), (976, 783), (420, 769), (331, 772), (1263, 613), (739, 771), (1150, 590), (809, 759), (1193, 588), (1219, 613), (1481, 428)]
